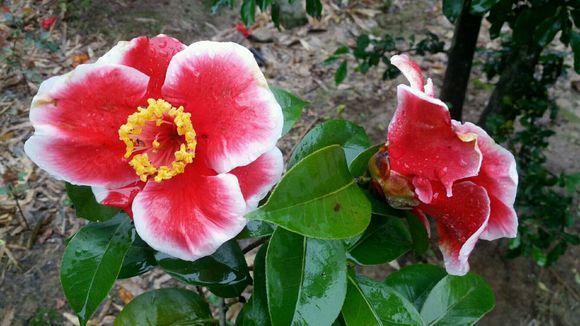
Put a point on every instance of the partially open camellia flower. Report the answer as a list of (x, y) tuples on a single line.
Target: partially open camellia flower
[(450, 171), (182, 138)]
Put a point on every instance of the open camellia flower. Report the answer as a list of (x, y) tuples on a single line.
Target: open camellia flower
[(183, 138), (450, 171)]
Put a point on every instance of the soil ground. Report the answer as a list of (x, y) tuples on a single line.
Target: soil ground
[(29, 284)]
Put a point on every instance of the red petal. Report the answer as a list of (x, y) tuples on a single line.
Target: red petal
[(257, 178), (233, 111), (460, 221), (499, 177), (410, 70), (150, 56), (119, 197), (76, 119), (423, 189), (422, 142), (190, 215)]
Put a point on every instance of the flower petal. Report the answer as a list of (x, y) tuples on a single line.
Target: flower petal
[(499, 177), (257, 178), (423, 189), (460, 221), (151, 56), (410, 70), (119, 197), (233, 111), (76, 119), (190, 215), (422, 142)]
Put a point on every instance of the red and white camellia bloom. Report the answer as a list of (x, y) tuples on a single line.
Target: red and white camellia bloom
[(451, 171), (183, 138)]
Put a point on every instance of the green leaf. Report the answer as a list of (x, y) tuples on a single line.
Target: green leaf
[(482, 6), (140, 258), (166, 307), (418, 233), (318, 198), (547, 30), (314, 8), (306, 279), (386, 239), (224, 273), (248, 12), (458, 300), (372, 303), (91, 262), (452, 9), (575, 43), (256, 228), (350, 136), (360, 164), (415, 282), (255, 311), (292, 107), (87, 206), (340, 74)]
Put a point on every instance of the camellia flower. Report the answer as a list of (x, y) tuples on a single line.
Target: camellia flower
[(182, 138), (450, 171)]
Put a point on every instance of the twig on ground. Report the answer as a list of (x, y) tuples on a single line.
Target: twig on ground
[(223, 310), (254, 244)]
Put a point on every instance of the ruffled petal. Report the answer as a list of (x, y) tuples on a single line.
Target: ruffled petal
[(410, 70), (119, 197), (257, 178), (234, 113), (190, 215), (151, 56), (76, 119), (422, 142), (460, 220), (499, 177)]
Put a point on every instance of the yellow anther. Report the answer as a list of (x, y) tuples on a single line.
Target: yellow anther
[(157, 111)]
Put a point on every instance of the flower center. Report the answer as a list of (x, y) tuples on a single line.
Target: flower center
[(153, 131)]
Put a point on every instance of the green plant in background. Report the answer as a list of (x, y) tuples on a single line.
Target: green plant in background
[(370, 51)]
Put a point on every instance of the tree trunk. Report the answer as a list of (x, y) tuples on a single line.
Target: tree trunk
[(460, 59), (519, 68)]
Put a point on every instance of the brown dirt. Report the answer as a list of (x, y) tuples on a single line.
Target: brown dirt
[(526, 294)]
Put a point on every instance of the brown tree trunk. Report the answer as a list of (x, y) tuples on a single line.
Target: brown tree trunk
[(519, 68), (460, 59)]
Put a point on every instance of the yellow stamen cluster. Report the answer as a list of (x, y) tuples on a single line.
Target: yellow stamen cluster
[(157, 111)]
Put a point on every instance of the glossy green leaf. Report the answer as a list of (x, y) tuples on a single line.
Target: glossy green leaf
[(452, 9), (255, 229), (575, 44), (165, 307), (255, 311), (87, 206), (248, 12), (140, 258), (418, 233), (340, 73), (372, 303), (386, 239), (547, 29), (318, 198), (91, 262), (292, 107), (458, 300), (314, 8), (360, 164), (482, 6), (224, 273), (351, 137), (415, 282), (305, 279)]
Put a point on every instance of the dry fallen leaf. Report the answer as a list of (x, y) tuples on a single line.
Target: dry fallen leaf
[(125, 295)]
